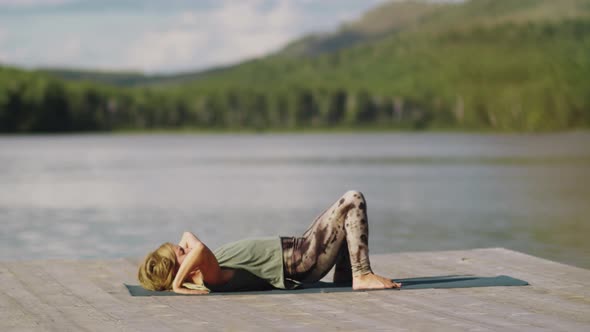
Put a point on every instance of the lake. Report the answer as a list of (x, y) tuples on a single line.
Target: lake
[(104, 196)]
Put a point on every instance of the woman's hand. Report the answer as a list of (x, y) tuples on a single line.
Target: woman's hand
[(187, 291), (197, 277)]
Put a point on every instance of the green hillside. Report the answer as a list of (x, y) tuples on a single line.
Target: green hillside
[(376, 24), (506, 77), (425, 16), (508, 65)]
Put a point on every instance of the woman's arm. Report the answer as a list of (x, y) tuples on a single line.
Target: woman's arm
[(198, 258)]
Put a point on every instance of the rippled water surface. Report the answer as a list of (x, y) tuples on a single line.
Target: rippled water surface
[(115, 196)]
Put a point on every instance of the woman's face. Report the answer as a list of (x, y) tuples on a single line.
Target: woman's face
[(180, 253)]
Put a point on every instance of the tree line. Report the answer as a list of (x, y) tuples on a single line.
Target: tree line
[(42, 104)]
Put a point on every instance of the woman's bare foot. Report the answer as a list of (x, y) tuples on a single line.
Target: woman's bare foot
[(373, 281)]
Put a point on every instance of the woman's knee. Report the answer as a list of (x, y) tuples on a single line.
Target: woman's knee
[(353, 196)]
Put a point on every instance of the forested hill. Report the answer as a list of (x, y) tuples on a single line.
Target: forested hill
[(427, 16), (378, 23), (510, 65), (130, 78)]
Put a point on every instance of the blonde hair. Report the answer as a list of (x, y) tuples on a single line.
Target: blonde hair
[(158, 269)]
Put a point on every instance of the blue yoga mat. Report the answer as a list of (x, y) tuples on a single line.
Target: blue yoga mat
[(452, 281)]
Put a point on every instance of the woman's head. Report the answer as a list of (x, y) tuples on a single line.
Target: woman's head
[(157, 270)]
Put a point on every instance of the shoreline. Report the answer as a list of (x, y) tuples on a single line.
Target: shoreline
[(297, 131)]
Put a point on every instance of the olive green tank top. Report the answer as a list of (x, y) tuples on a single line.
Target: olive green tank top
[(262, 257)]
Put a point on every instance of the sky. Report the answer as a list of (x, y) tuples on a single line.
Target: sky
[(159, 36)]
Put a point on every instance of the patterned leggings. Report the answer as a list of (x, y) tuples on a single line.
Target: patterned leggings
[(339, 236)]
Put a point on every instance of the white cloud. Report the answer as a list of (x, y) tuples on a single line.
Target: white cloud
[(31, 3), (185, 36), (229, 33), (70, 49), (156, 49)]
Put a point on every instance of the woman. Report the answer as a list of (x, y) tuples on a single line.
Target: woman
[(339, 236)]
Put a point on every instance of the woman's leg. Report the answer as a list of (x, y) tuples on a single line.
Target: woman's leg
[(343, 269), (342, 224), (341, 229)]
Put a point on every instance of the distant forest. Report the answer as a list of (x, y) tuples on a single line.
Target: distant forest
[(526, 75)]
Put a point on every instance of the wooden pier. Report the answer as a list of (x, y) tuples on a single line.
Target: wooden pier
[(78, 295)]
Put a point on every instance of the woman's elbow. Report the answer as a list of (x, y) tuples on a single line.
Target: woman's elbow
[(190, 238), (197, 245)]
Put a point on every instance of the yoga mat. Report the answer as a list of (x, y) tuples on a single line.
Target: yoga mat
[(452, 281)]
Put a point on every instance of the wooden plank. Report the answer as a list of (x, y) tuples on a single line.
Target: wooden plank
[(12, 314), (89, 295), (19, 288)]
